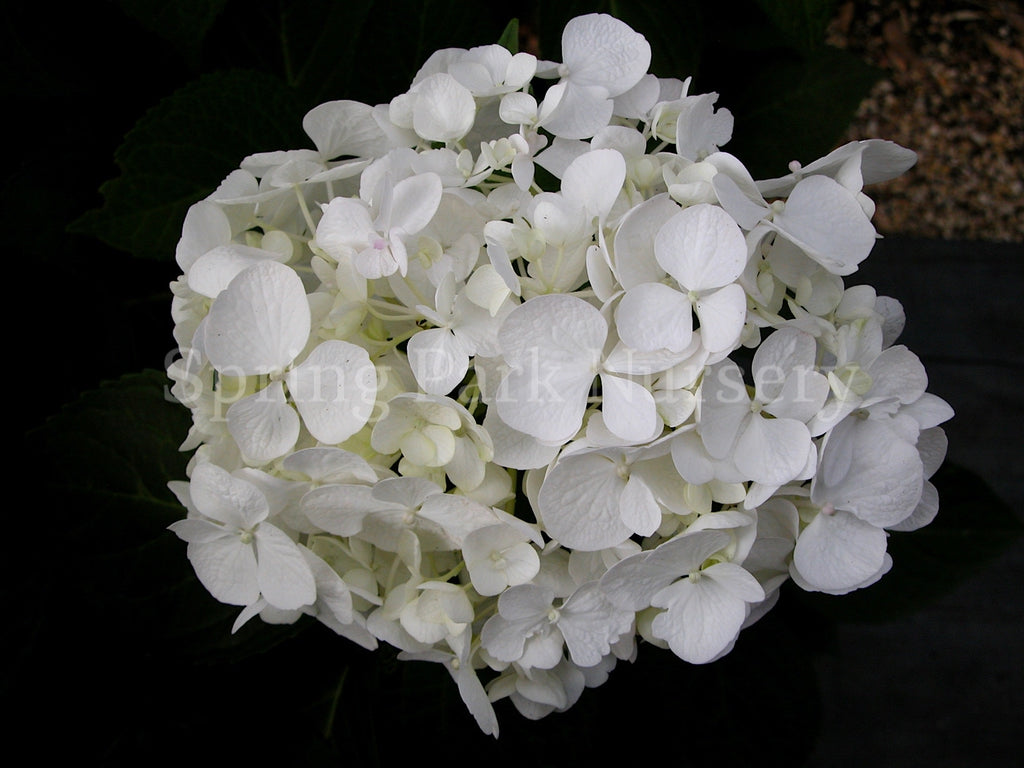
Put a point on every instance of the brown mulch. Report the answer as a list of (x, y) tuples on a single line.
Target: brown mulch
[(953, 91)]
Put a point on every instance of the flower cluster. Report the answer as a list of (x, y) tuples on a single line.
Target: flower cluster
[(520, 368)]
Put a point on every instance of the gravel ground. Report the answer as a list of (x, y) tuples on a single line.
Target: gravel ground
[(953, 91)]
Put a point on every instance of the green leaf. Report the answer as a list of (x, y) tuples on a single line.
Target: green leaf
[(102, 465), (321, 47), (183, 23), (973, 527), (796, 109), (510, 36), (803, 23), (181, 150)]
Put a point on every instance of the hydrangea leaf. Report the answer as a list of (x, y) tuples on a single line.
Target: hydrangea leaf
[(320, 43), (182, 24), (807, 117), (116, 446), (802, 23), (510, 36), (181, 149)]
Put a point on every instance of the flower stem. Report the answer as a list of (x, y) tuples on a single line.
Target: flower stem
[(335, 698)]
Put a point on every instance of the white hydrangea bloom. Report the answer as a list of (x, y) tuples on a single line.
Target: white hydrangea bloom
[(511, 421)]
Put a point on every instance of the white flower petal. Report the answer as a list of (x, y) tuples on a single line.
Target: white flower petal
[(553, 344), (691, 459), (737, 202), (772, 451), (590, 624), (826, 221), (547, 406), (284, 576), (898, 373), (468, 465), (837, 552), (781, 352), (655, 316), (802, 397), (525, 603), (700, 130), (195, 530), (561, 153), (335, 389), (514, 449), (346, 226), (701, 247), (227, 568), (736, 580), (330, 465), (487, 289), (925, 512), (230, 500), (629, 409), (929, 410), (640, 99), (404, 492), (880, 160), (333, 595), (503, 639), (259, 323), (345, 127), (639, 509), (579, 503), (205, 227), (438, 359), (601, 51), (212, 272), (867, 469), (593, 180), (932, 444), (263, 425), (633, 245), (724, 408), (444, 109), (518, 108), (574, 112), (722, 314), (458, 515), (498, 556), (702, 621), (414, 202), (599, 273), (339, 509)]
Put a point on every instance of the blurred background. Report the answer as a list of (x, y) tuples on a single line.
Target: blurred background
[(952, 89), (120, 113)]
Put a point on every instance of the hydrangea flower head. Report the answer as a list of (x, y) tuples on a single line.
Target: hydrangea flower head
[(507, 428)]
